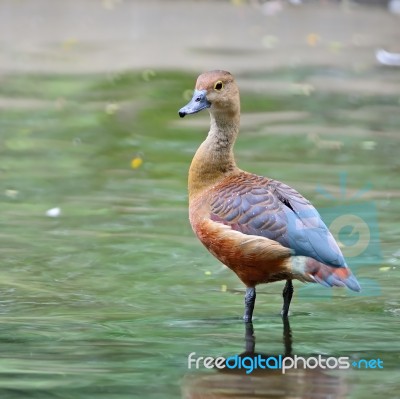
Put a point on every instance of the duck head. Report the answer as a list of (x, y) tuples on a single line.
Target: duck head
[(215, 90)]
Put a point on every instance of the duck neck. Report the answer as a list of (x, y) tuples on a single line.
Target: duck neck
[(214, 159)]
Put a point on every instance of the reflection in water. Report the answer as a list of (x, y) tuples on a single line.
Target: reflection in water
[(265, 383)]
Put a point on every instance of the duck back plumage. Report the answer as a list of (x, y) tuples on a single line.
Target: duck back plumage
[(265, 207)]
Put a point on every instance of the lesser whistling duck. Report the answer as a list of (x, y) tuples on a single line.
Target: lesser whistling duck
[(262, 229)]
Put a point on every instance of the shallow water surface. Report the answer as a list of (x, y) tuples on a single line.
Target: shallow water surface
[(109, 298)]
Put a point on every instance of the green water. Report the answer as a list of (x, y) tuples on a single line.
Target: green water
[(108, 299)]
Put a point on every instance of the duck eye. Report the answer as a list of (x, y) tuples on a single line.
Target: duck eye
[(218, 86)]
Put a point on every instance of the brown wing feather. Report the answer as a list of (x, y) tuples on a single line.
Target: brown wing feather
[(250, 204)]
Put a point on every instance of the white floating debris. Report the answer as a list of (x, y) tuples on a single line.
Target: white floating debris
[(11, 193), (386, 58), (303, 89), (272, 7), (394, 6), (368, 145), (53, 212)]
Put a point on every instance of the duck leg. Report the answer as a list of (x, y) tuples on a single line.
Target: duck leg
[(287, 336), (249, 301), (250, 338), (287, 297)]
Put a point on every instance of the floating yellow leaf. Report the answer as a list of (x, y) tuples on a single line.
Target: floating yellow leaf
[(223, 288), (148, 74), (313, 39), (384, 268), (111, 108), (335, 47), (69, 43), (136, 162), (207, 273)]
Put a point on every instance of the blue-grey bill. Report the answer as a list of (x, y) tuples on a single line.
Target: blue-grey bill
[(197, 103)]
